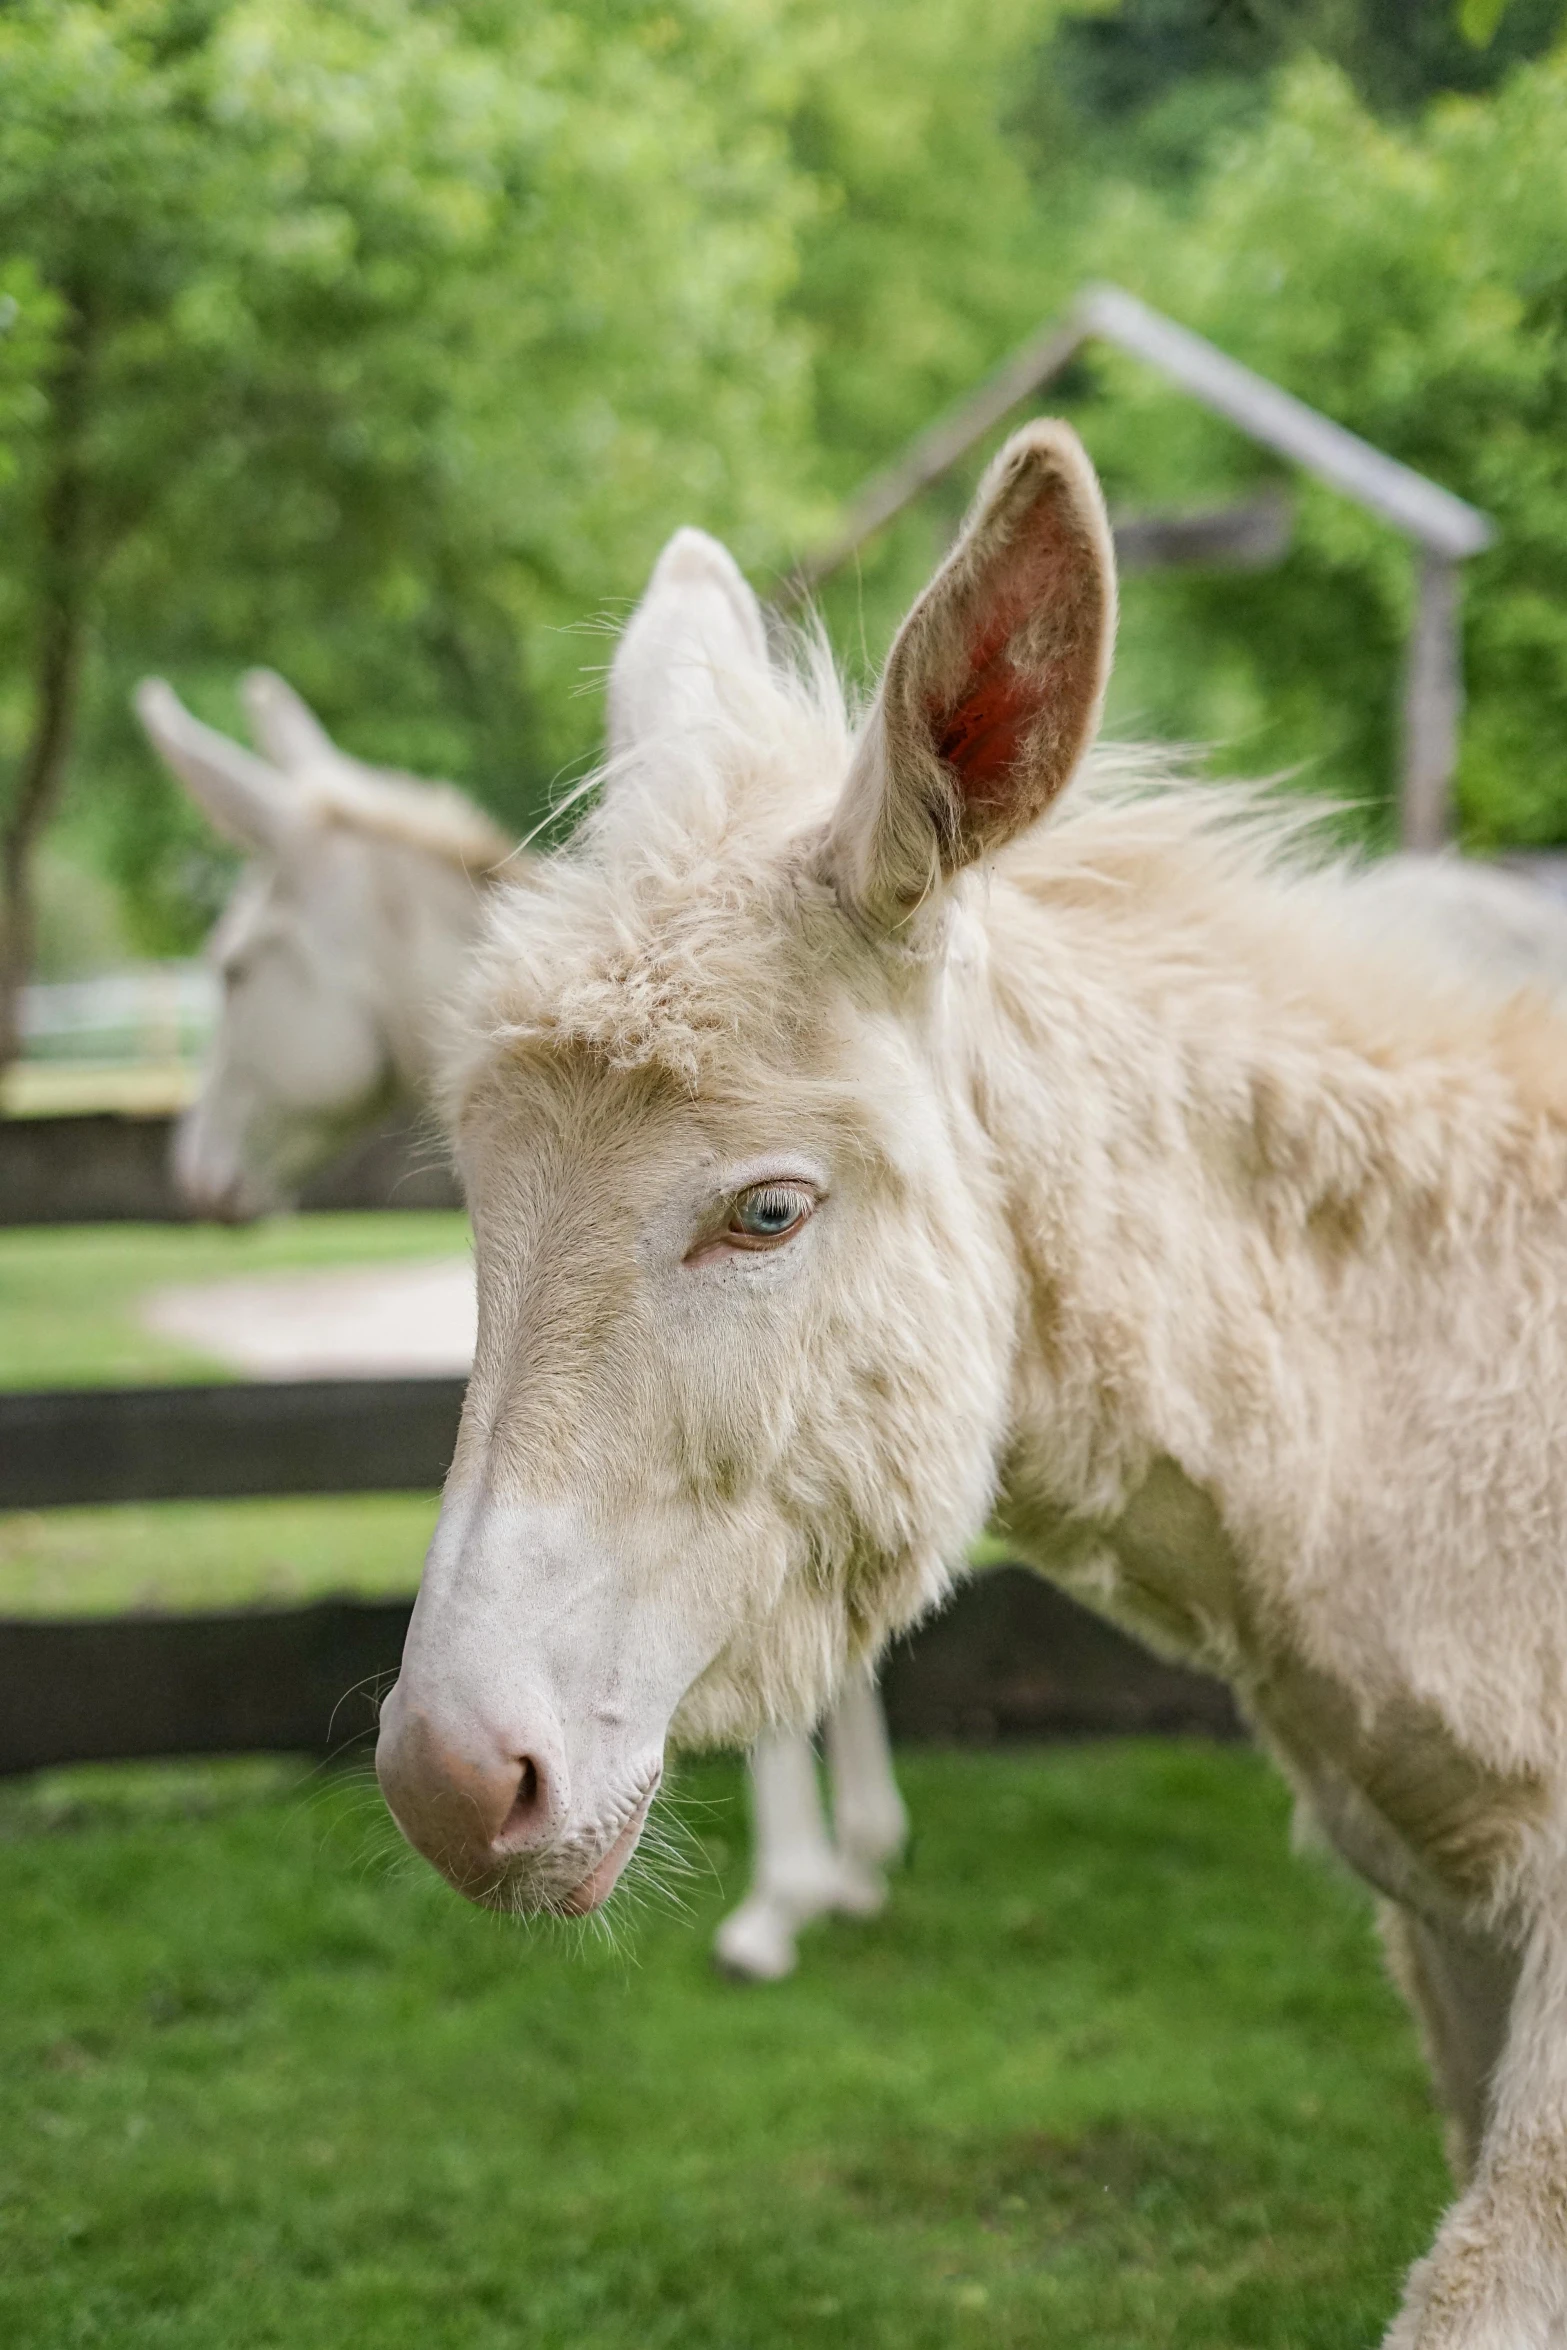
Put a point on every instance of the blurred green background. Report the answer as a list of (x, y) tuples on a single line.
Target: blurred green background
[(384, 341)]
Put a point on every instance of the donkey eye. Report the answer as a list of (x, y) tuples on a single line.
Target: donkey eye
[(767, 1213)]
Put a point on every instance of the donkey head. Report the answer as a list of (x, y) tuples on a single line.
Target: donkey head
[(341, 925), (747, 1299)]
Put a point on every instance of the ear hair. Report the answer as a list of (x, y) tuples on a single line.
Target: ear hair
[(248, 800), (698, 623), (283, 723), (993, 689)]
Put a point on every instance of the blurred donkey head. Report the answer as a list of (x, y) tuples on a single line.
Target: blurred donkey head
[(345, 934)]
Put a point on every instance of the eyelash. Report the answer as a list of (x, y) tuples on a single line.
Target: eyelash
[(793, 1197)]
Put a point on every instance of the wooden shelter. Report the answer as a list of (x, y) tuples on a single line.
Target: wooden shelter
[(1444, 530)]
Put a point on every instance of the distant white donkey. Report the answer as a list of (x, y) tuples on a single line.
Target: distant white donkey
[(344, 936)]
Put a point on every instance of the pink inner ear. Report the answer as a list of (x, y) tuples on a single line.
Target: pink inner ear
[(981, 738), (981, 735)]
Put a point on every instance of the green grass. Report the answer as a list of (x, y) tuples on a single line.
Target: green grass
[(1115, 2072), (201, 1554), (68, 1303), (68, 1296)]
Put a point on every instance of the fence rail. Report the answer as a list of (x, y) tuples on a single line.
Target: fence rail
[(1011, 1658), (108, 1168), (72, 1447)]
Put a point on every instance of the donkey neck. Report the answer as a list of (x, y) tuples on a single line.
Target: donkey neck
[(425, 913), (1247, 1167)]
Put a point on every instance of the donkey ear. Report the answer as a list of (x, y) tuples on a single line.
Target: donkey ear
[(244, 797), (283, 723), (697, 625), (993, 689)]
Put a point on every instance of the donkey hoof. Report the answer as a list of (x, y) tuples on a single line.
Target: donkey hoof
[(754, 1946), (861, 1892)]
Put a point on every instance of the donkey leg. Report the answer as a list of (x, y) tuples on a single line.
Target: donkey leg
[(870, 1825), (1496, 2277), (796, 1875), (1461, 1989)]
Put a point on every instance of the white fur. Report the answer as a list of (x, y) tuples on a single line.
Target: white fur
[(363, 899), (1173, 1205), (347, 932)]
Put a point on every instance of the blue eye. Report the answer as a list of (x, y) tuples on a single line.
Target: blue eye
[(768, 1212)]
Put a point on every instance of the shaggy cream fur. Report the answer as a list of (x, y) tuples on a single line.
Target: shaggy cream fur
[(1156, 1200), (353, 922)]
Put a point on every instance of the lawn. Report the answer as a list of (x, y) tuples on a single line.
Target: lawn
[(1115, 2069), (1114, 2072)]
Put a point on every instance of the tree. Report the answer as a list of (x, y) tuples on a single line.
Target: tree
[(1142, 88), (379, 336), (1410, 280), (406, 334)]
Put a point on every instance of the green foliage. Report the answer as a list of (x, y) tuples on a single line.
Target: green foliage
[(1115, 2071), (1478, 20), (920, 258), (1142, 88), (385, 343), (401, 336), (391, 341), (28, 319), (1411, 282)]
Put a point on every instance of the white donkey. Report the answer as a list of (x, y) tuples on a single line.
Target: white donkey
[(346, 935), (855, 1155), (349, 928)]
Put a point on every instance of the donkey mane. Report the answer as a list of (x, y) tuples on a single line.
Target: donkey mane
[(627, 942)]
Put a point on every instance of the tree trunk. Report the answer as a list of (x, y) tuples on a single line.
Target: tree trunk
[(57, 673)]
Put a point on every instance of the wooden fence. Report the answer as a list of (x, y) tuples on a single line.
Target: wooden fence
[(112, 1168), (1010, 1658)]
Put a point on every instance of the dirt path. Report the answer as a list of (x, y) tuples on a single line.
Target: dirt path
[(365, 1322)]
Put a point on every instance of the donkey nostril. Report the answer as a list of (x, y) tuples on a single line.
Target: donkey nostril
[(529, 1806)]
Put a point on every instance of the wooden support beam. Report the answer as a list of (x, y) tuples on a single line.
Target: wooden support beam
[(1251, 535), (1433, 705), (938, 449), (1274, 418), (1423, 510)]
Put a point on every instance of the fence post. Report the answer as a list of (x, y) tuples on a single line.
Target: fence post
[(1433, 705)]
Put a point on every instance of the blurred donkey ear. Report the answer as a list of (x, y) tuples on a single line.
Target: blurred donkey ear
[(992, 691), (283, 723), (697, 624), (245, 798)]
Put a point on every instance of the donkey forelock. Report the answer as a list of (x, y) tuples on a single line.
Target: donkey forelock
[(662, 933)]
